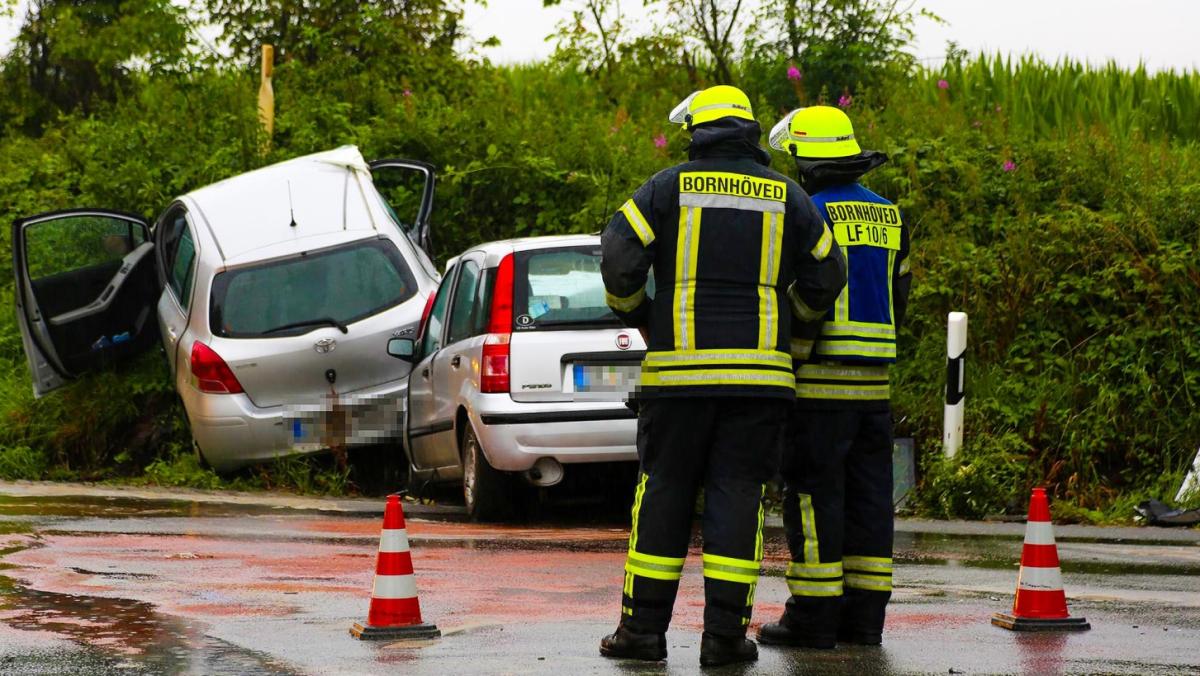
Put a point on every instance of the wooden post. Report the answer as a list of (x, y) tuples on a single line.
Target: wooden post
[(266, 94)]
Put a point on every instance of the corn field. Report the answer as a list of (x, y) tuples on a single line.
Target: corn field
[(1053, 99)]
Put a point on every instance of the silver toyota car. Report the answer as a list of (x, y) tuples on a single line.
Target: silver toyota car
[(274, 293), (520, 369)]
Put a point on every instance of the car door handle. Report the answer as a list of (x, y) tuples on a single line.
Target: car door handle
[(425, 372), (456, 361), (171, 335)]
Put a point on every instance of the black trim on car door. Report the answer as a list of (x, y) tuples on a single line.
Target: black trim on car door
[(421, 228), (441, 426)]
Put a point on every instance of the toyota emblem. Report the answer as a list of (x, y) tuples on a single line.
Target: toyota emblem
[(325, 345), (624, 341)]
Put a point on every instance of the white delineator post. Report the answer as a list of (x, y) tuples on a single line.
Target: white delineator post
[(956, 346), (1191, 482)]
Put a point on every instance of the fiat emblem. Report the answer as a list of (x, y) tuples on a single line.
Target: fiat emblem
[(325, 345), (624, 341)]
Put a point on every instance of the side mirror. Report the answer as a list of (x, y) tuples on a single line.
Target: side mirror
[(402, 348)]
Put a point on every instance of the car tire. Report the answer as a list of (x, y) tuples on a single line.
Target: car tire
[(487, 492)]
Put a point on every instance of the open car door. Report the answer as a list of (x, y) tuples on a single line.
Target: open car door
[(86, 289), (407, 190)]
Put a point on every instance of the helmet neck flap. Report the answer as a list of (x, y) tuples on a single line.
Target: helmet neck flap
[(728, 137), (817, 175)]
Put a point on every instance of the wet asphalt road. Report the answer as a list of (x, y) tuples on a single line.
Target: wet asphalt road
[(121, 584)]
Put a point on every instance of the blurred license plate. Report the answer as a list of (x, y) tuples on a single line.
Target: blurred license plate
[(343, 422), (606, 378)]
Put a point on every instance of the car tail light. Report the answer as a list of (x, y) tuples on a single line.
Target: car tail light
[(494, 376), (502, 298), (211, 373)]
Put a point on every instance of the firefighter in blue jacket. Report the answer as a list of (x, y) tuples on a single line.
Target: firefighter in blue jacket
[(735, 250), (838, 475)]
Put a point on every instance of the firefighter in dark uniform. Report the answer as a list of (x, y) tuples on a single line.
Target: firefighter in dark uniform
[(838, 473), (735, 249)]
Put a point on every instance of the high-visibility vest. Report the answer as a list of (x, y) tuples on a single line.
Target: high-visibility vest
[(857, 340)]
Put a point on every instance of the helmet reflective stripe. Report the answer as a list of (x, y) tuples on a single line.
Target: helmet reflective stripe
[(709, 105), (720, 106), (822, 139)]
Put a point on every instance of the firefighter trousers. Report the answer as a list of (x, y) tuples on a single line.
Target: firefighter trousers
[(730, 447), (838, 515)]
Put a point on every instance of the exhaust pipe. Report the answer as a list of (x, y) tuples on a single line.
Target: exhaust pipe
[(545, 472)]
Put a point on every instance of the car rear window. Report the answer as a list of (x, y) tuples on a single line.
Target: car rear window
[(343, 284), (560, 289)]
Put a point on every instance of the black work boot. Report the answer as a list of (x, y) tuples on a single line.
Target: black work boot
[(717, 650), (786, 634), (862, 617), (625, 644)]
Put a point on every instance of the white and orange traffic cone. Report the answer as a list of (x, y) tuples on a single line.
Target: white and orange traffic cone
[(395, 611), (1040, 603)]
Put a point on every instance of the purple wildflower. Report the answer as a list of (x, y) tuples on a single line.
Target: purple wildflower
[(1009, 165), (660, 141), (794, 74), (942, 84), (407, 93), (845, 101)]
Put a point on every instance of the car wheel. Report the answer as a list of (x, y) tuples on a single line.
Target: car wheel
[(486, 490)]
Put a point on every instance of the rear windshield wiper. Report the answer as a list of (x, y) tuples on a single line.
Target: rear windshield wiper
[(318, 321)]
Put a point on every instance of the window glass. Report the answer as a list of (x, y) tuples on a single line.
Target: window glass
[(300, 294), (466, 304), (170, 229), (182, 270), (77, 242), (431, 336), (483, 301), (562, 288)]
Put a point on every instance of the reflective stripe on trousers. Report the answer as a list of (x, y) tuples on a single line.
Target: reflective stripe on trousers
[(638, 494), (811, 577), (870, 573), (843, 382)]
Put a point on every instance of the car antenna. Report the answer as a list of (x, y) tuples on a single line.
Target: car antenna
[(291, 208)]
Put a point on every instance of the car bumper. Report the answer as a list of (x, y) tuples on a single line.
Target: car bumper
[(232, 432), (515, 438)]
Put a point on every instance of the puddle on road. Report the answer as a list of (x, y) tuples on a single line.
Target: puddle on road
[(991, 552), (116, 635), (128, 636), (118, 626), (66, 506), (115, 507)]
